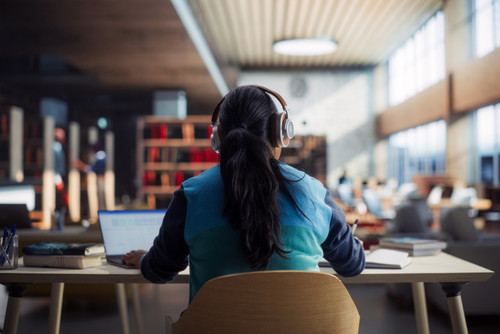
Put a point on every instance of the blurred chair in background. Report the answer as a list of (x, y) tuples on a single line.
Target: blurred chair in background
[(465, 196), (414, 219), (458, 224)]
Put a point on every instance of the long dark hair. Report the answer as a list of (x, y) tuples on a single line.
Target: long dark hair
[(251, 174)]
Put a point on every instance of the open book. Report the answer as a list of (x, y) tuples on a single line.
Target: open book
[(387, 259)]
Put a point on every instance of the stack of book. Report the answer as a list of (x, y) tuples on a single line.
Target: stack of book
[(413, 246), (63, 255)]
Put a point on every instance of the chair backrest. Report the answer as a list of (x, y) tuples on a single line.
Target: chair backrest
[(271, 302), (408, 219), (457, 223)]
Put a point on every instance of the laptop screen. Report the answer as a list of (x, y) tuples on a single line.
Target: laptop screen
[(123, 231)]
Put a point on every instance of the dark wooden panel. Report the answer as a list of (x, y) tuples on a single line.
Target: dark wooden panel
[(122, 44), (477, 83), (430, 105)]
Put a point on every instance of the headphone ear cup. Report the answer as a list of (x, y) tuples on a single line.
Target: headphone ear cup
[(282, 129), (278, 125), (215, 139)]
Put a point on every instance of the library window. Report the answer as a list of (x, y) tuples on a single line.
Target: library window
[(486, 26), (420, 150), (419, 62), (488, 144)]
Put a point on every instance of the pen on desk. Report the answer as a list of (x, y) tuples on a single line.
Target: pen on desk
[(5, 235), (11, 237), (8, 244), (4, 243), (354, 226)]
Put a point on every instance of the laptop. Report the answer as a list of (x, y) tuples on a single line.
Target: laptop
[(123, 231), (14, 213)]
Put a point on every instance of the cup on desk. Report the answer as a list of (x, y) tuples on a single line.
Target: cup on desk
[(9, 252)]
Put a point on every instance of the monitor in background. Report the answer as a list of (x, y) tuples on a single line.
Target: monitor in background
[(18, 194)]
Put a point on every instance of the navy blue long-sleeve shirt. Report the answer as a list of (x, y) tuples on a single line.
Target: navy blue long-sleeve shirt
[(194, 230)]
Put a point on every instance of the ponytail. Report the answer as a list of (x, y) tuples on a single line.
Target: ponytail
[(251, 190), (251, 175)]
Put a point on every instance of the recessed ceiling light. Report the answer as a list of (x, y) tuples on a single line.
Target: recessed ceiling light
[(305, 46)]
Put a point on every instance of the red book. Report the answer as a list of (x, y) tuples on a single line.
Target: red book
[(179, 178), (155, 131), (154, 154), (149, 178), (196, 155), (163, 131), (210, 155)]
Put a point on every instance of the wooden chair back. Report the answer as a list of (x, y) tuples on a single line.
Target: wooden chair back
[(271, 302)]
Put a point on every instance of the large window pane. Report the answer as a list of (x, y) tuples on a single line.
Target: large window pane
[(496, 19), (420, 150), (419, 62), (486, 20), (488, 143)]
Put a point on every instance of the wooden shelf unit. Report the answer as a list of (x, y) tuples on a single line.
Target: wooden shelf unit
[(33, 148), (169, 151)]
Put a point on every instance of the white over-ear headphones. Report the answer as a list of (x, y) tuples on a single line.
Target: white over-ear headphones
[(282, 129)]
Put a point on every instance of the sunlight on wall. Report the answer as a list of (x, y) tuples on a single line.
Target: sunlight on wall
[(333, 103)]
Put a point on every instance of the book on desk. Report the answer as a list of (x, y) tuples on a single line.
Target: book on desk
[(63, 261), (414, 246), (387, 259), (63, 255), (381, 259)]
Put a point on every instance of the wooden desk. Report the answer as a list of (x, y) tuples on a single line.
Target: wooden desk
[(448, 270), (478, 204)]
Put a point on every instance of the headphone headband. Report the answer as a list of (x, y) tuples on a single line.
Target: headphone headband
[(282, 132), (215, 114)]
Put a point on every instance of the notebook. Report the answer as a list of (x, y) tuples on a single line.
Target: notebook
[(17, 214), (123, 231)]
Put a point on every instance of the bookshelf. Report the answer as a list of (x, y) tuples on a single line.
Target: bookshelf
[(170, 151), (33, 148), (21, 152)]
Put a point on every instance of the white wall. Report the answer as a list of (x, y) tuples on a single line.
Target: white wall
[(335, 103)]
